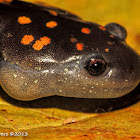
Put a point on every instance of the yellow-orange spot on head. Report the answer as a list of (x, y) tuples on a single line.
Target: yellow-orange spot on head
[(45, 40), (85, 30), (27, 39), (51, 24), (24, 20), (79, 46), (53, 13), (107, 50), (38, 45), (102, 28), (112, 36), (73, 40)]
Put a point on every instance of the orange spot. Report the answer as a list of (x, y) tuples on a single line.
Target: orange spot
[(27, 39), (85, 30), (24, 20), (107, 50), (112, 36), (79, 46), (45, 40), (73, 40), (51, 24), (102, 28), (53, 12), (38, 45)]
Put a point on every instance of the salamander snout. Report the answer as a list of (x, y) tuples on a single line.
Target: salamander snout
[(134, 68)]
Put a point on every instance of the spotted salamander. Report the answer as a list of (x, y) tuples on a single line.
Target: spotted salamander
[(47, 51)]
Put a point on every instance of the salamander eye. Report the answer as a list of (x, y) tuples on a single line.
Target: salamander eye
[(96, 66)]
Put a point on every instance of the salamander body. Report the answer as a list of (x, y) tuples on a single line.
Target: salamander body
[(47, 51)]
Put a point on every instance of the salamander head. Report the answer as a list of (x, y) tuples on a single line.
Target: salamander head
[(109, 72)]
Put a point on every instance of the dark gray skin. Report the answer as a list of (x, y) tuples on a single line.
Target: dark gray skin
[(59, 68)]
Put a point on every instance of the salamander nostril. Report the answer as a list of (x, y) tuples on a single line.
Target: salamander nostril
[(131, 69)]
